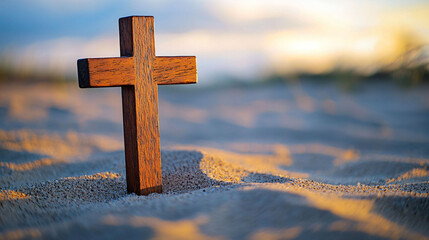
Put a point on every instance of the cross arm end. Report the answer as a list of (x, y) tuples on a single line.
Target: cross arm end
[(105, 72), (83, 73), (175, 70)]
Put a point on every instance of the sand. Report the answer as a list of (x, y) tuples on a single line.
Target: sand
[(283, 162)]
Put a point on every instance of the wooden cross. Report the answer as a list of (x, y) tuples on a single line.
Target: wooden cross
[(138, 72)]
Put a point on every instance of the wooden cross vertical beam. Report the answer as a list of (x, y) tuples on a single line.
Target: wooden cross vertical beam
[(138, 71), (140, 108)]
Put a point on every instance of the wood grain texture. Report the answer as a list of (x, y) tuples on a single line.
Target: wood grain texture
[(175, 70), (144, 168), (115, 72), (139, 72), (106, 72)]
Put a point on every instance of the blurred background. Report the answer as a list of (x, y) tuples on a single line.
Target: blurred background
[(243, 41), (310, 78)]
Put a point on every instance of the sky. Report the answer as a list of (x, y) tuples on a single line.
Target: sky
[(244, 39)]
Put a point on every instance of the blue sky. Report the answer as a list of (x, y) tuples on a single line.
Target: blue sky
[(27, 21), (243, 38)]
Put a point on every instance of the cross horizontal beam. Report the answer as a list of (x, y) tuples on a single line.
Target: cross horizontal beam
[(120, 71)]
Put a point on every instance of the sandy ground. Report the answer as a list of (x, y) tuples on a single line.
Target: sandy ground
[(274, 162)]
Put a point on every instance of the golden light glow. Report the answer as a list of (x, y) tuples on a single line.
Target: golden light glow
[(258, 37)]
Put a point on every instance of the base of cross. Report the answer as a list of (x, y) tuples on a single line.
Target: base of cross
[(146, 191), (139, 72)]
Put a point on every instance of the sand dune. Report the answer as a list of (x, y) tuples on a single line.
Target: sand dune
[(269, 163)]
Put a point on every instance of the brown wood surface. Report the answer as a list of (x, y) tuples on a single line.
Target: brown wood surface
[(106, 72), (115, 72), (139, 72), (175, 70), (144, 168)]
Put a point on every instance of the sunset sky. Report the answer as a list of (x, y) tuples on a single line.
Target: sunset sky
[(244, 38)]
